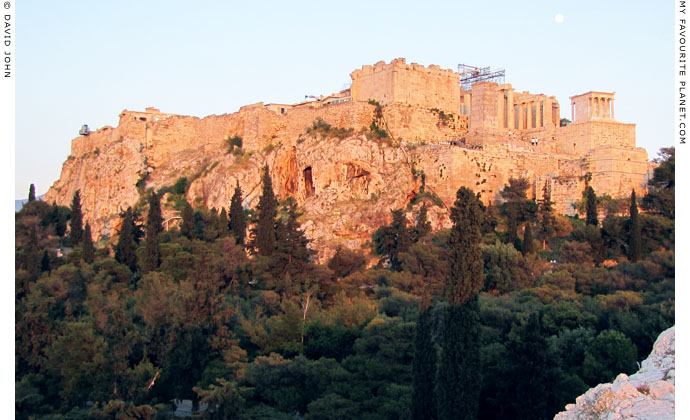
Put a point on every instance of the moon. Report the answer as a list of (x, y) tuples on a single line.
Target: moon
[(559, 18)]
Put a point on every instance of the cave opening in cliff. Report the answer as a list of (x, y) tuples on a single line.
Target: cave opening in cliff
[(308, 182)]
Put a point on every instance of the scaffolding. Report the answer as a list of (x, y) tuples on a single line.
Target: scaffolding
[(470, 75)]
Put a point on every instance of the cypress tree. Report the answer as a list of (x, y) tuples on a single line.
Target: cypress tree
[(546, 216), (187, 228), (458, 383), (154, 219), (238, 224), (422, 226), (528, 241), (45, 262), (59, 218), (154, 226), (465, 278), (223, 223), (591, 203), (87, 253), (424, 366), (32, 254), (125, 250), (264, 239), (32, 193), (459, 374), (76, 224), (635, 241)]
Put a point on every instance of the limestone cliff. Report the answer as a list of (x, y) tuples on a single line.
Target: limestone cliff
[(649, 394), (346, 181)]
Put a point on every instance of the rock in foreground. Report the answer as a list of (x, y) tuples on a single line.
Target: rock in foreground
[(649, 394)]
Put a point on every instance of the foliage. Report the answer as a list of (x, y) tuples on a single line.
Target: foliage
[(322, 128), (635, 241), (280, 336), (264, 231), (76, 224), (591, 206), (234, 145)]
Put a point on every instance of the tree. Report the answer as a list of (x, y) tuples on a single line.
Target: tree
[(238, 224), (661, 196), (527, 241), (125, 250), (424, 366), (458, 383), (154, 219), (187, 228), (393, 239), (591, 206), (154, 226), (546, 218), (422, 227), (87, 253), (264, 233), (32, 193), (635, 239), (517, 209), (76, 229), (223, 223), (466, 273), (459, 374)]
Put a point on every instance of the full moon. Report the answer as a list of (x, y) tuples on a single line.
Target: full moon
[(559, 18)]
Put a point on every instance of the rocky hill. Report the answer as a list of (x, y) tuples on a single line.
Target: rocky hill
[(649, 394)]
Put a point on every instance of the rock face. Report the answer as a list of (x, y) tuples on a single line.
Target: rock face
[(649, 394), (345, 180)]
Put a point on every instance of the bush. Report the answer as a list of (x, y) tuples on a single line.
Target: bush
[(234, 144)]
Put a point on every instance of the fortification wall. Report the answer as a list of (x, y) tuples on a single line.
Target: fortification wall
[(412, 84), (580, 138)]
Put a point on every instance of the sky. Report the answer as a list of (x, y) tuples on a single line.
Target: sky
[(83, 62)]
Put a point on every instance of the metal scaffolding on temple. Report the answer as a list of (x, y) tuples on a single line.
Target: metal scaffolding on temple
[(470, 75)]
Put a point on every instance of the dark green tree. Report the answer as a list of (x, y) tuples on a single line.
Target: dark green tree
[(87, 253), (547, 220), (466, 276), (422, 227), (528, 241), (154, 226), (32, 193), (517, 209), (393, 239), (591, 207), (635, 238), (223, 223), (292, 253), (264, 232), (154, 219), (660, 198), (59, 218), (424, 366), (238, 223), (32, 254), (458, 380), (187, 228), (76, 224), (45, 262), (459, 375), (530, 372), (125, 250)]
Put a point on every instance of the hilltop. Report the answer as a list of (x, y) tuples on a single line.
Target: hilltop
[(401, 134)]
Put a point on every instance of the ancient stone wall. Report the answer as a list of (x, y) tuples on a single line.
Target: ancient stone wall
[(412, 84), (580, 138)]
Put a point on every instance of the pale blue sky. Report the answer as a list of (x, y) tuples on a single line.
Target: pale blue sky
[(85, 61)]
